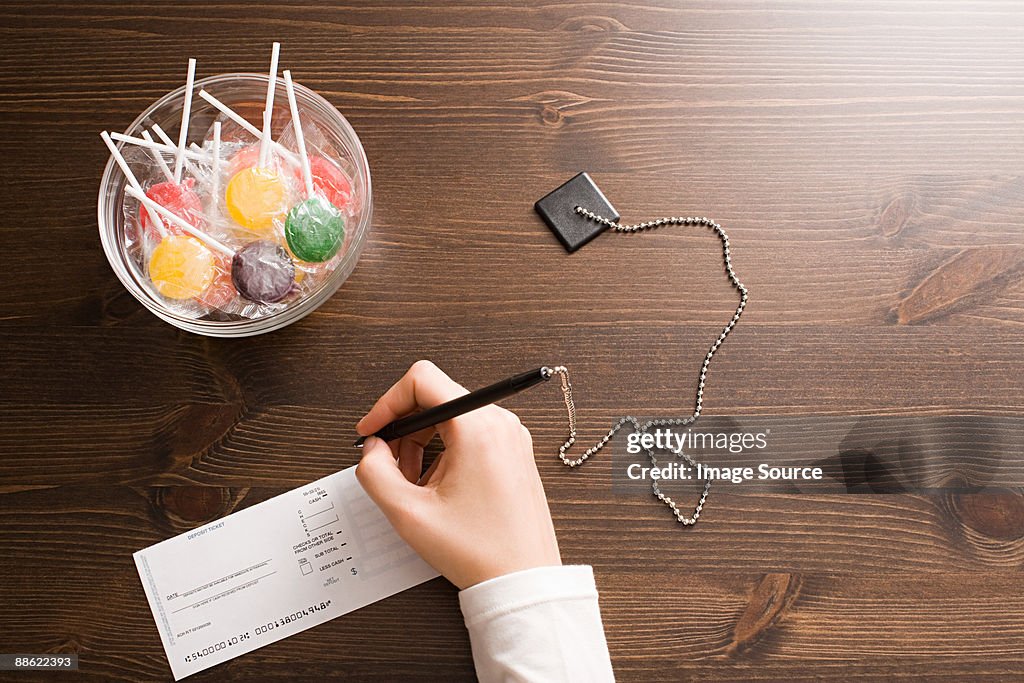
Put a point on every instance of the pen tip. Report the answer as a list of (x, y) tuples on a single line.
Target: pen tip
[(359, 442)]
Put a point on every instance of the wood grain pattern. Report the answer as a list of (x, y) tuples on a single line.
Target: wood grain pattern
[(865, 158)]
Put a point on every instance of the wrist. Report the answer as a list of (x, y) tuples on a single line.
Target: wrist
[(497, 571), (524, 588)]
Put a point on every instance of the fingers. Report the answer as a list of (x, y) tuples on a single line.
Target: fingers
[(424, 385), (379, 475), (410, 459), (425, 479), (410, 453)]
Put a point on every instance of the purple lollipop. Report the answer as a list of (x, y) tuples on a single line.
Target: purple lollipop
[(263, 272)]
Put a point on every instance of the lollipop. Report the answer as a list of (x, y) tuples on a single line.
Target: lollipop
[(255, 197), (175, 195), (178, 196), (315, 228), (329, 181), (132, 181), (261, 271), (181, 267), (243, 159), (180, 199)]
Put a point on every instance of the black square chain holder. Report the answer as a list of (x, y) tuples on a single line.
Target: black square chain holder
[(558, 209)]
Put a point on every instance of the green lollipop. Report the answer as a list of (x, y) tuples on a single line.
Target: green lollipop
[(315, 230)]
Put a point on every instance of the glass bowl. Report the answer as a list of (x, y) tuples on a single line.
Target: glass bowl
[(245, 94)]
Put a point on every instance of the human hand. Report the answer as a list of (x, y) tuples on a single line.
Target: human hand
[(479, 511)]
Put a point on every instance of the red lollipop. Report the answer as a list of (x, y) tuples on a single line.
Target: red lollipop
[(181, 200), (329, 181), (243, 159)]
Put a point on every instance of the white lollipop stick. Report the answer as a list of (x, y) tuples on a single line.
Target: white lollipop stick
[(251, 129), (158, 146), (231, 113), (186, 112), (158, 157), (268, 109), (216, 164), (192, 150), (181, 223), (260, 163), (300, 141), (162, 135), (133, 182)]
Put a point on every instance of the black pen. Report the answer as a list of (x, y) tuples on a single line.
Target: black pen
[(460, 406)]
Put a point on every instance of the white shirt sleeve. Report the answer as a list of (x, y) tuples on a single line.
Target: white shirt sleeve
[(539, 624)]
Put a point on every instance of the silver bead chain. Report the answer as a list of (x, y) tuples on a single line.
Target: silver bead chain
[(563, 372)]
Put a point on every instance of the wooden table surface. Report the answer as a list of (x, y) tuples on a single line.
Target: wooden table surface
[(865, 158)]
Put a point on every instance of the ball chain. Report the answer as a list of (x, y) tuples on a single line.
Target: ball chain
[(563, 372)]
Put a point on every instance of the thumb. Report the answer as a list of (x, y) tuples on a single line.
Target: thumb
[(383, 481)]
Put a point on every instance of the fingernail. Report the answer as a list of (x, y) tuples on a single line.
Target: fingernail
[(370, 442)]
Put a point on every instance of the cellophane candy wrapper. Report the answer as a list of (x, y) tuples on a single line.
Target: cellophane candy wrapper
[(245, 207)]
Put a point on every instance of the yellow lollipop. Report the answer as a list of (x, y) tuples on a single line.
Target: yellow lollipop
[(181, 267), (255, 198)]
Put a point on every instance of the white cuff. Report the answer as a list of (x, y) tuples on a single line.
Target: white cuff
[(541, 624), (520, 590)]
